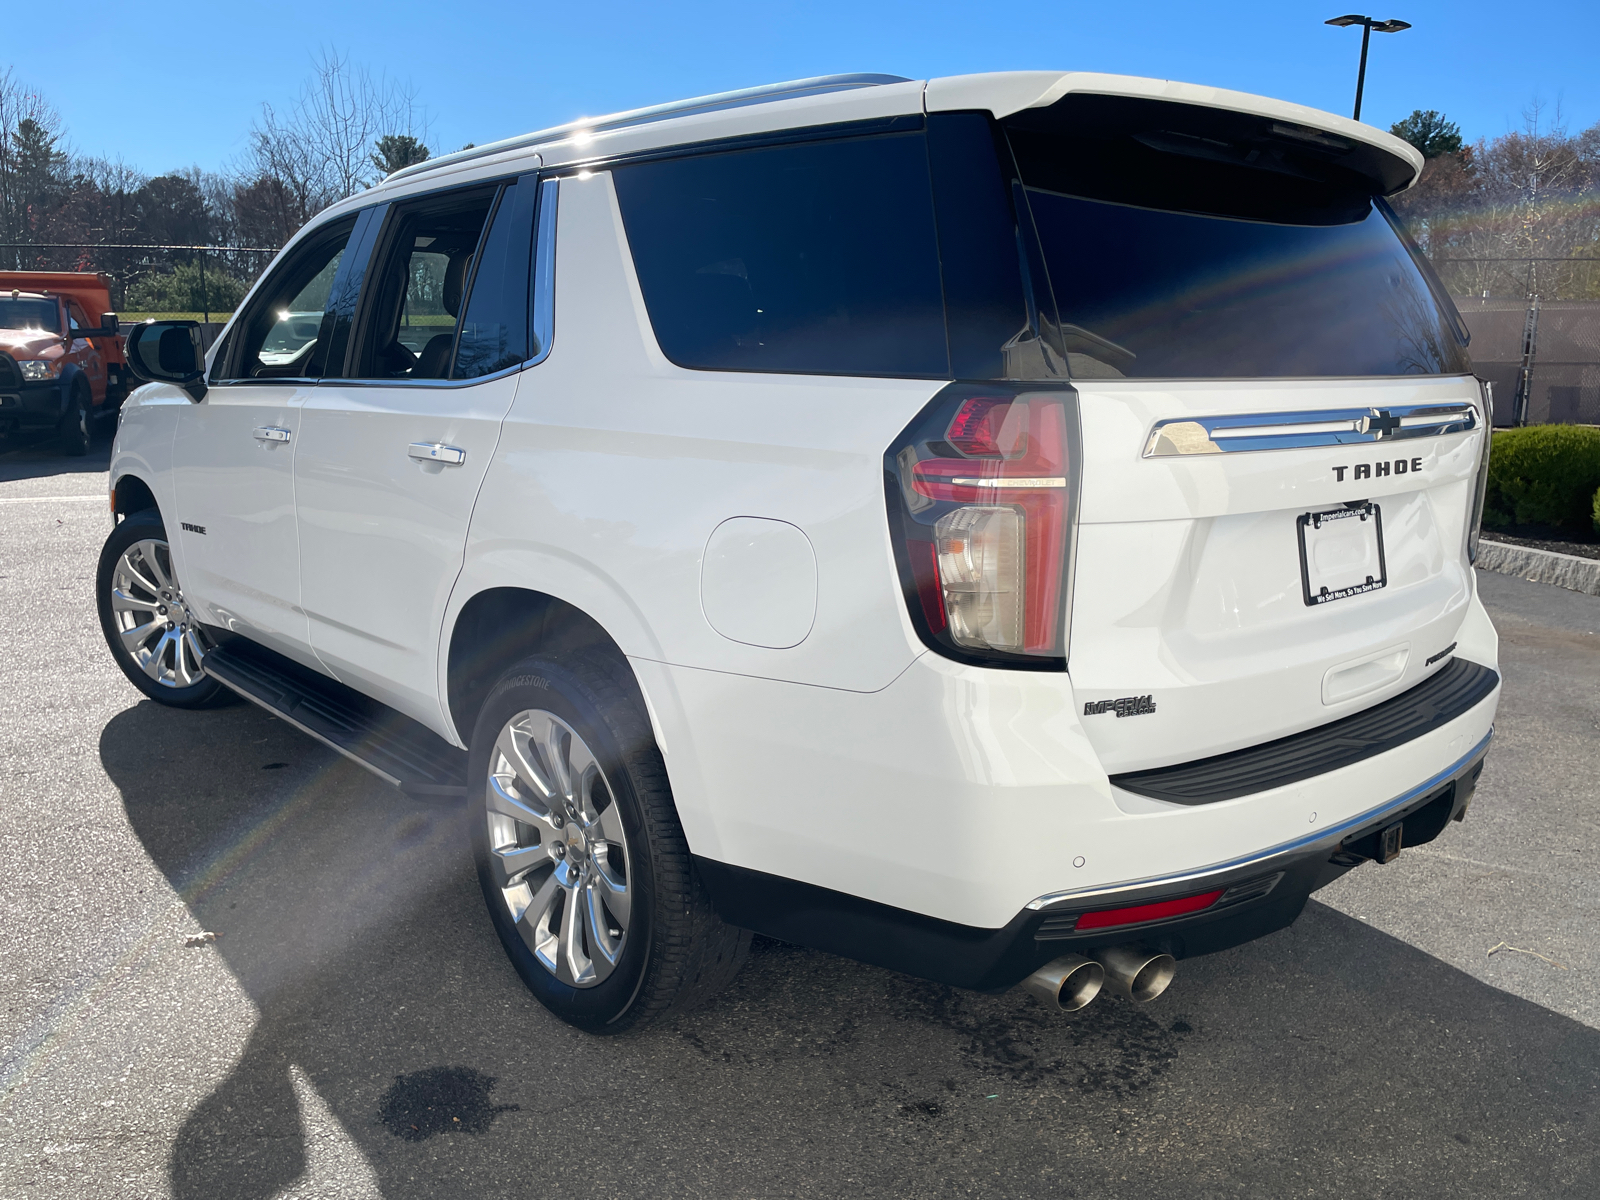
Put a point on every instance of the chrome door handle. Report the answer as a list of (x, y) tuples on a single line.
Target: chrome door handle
[(271, 433), (437, 452)]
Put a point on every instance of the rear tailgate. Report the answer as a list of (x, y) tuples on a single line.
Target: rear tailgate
[(1189, 581)]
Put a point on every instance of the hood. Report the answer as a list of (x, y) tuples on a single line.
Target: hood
[(27, 343)]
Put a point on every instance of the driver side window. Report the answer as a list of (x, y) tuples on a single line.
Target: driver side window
[(282, 336)]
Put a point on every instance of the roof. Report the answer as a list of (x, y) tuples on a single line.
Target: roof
[(838, 98)]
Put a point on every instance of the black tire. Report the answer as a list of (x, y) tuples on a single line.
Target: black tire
[(72, 435), (144, 527), (677, 952)]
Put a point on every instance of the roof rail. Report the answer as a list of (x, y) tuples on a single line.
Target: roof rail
[(766, 94)]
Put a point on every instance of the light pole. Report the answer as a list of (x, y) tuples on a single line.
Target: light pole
[(1367, 26)]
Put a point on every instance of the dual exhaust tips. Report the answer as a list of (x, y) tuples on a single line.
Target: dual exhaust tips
[(1135, 973)]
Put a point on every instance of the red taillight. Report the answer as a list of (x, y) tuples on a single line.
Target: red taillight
[(985, 489), (975, 429), (1106, 918)]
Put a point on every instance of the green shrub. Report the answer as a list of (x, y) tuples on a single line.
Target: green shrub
[(181, 291), (1597, 510), (1543, 475)]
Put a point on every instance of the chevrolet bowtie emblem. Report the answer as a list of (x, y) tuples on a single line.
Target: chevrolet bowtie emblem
[(1382, 423)]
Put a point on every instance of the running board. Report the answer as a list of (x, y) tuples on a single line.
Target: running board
[(392, 746)]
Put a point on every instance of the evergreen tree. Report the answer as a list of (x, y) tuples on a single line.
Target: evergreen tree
[(1429, 132), (396, 151)]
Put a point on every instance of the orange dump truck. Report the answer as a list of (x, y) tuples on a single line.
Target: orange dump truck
[(61, 361)]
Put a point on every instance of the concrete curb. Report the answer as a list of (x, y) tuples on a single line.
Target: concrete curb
[(1541, 566)]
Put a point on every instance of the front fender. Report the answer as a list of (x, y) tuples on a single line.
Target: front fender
[(142, 447), (70, 373)]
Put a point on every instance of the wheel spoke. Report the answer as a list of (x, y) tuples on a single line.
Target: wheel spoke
[(530, 778), (122, 601), (136, 638), (613, 890), (552, 743), (150, 557), (611, 825), (135, 569), (168, 645), (574, 962), (513, 862), (186, 659), (585, 777), (507, 805), (604, 949), (533, 922)]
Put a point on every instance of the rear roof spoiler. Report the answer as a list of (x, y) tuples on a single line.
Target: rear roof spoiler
[(1008, 92)]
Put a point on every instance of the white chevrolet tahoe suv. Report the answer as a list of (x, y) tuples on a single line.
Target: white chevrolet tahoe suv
[(1012, 528)]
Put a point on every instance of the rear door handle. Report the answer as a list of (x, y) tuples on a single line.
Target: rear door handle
[(437, 452), (271, 433)]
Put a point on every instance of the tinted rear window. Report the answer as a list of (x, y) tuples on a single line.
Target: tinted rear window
[(1239, 248), (1157, 295), (816, 258)]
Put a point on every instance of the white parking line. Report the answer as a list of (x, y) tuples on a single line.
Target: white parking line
[(49, 499)]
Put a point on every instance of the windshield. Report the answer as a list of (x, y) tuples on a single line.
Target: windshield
[(1180, 243), (17, 312)]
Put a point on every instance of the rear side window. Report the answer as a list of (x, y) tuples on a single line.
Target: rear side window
[(494, 328), (416, 305), (814, 258), (1183, 242)]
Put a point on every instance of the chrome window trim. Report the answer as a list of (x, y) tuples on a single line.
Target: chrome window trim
[(1244, 432), (544, 271), (1331, 837)]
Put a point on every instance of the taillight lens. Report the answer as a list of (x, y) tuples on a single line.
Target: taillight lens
[(1481, 485), (982, 499)]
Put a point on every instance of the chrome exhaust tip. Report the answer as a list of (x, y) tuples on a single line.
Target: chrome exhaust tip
[(1136, 973), (1068, 982)]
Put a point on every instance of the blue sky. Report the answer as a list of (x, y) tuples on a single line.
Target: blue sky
[(165, 93)]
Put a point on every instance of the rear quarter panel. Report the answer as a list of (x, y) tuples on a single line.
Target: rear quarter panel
[(614, 467)]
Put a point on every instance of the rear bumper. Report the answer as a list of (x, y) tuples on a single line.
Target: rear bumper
[(1261, 893)]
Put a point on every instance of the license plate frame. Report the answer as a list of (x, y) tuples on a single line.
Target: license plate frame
[(1328, 535)]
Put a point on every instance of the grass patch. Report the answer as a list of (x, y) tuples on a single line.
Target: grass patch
[(217, 318)]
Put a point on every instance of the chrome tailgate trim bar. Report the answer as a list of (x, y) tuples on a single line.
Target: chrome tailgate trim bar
[(1297, 430)]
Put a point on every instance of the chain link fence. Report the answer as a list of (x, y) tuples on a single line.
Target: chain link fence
[(202, 282), (1543, 357)]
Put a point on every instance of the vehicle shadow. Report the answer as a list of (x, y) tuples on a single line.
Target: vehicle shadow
[(33, 455), (1327, 1060)]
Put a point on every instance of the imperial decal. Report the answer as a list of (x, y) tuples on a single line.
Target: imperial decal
[(1128, 706), (1398, 466)]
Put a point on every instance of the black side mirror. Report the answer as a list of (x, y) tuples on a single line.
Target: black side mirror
[(109, 323), (168, 352)]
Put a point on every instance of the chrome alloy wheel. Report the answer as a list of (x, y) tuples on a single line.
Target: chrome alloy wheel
[(558, 848), (155, 625)]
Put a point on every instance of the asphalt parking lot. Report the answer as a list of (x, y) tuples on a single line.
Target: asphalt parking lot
[(355, 1030)]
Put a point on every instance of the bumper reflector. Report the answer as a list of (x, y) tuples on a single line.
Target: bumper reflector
[(1106, 918)]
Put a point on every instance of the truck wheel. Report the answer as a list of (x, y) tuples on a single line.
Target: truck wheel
[(72, 434), (152, 634), (583, 862)]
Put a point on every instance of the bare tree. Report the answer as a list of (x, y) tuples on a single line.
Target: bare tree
[(29, 158), (322, 149), (1514, 215)]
